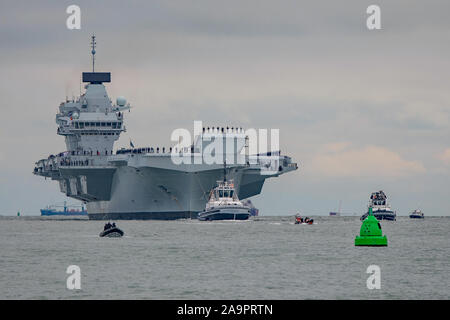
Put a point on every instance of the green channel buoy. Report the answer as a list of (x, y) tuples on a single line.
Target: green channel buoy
[(370, 234)]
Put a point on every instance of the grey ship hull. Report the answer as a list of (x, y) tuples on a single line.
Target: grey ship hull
[(382, 215), (143, 215), (153, 193), (144, 186)]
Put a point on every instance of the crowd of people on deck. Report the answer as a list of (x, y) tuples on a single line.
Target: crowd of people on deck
[(64, 158), (109, 225)]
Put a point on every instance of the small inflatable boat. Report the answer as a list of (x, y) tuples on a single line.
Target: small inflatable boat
[(111, 231), (309, 222), (299, 220)]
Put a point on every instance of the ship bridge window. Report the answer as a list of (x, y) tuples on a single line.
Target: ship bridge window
[(224, 193), (231, 193), (103, 124), (97, 124), (108, 124), (114, 125), (119, 124), (76, 125)]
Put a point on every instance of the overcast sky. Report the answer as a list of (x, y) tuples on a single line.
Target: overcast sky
[(359, 110)]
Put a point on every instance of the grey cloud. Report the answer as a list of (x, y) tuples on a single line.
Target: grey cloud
[(311, 69)]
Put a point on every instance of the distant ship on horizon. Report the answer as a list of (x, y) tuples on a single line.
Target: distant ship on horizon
[(64, 210), (338, 213)]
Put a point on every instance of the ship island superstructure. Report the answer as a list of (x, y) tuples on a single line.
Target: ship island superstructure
[(144, 183)]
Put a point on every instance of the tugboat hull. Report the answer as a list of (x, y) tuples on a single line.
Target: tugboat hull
[(417, 214), (389, 217), (225, 214)]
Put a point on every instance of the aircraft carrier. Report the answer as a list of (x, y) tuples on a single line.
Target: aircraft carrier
[(145, 183)]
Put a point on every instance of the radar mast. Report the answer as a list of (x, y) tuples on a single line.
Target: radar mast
[(93, 45)]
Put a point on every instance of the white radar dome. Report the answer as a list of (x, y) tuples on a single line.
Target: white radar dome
[(121, 101), (75, 115)]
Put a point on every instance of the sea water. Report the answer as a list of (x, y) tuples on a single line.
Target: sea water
[(262, 258)]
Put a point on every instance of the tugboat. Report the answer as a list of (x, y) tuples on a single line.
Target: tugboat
[(224, 204), (338, 213), (380, 207), (417, 214), (111, 231)]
